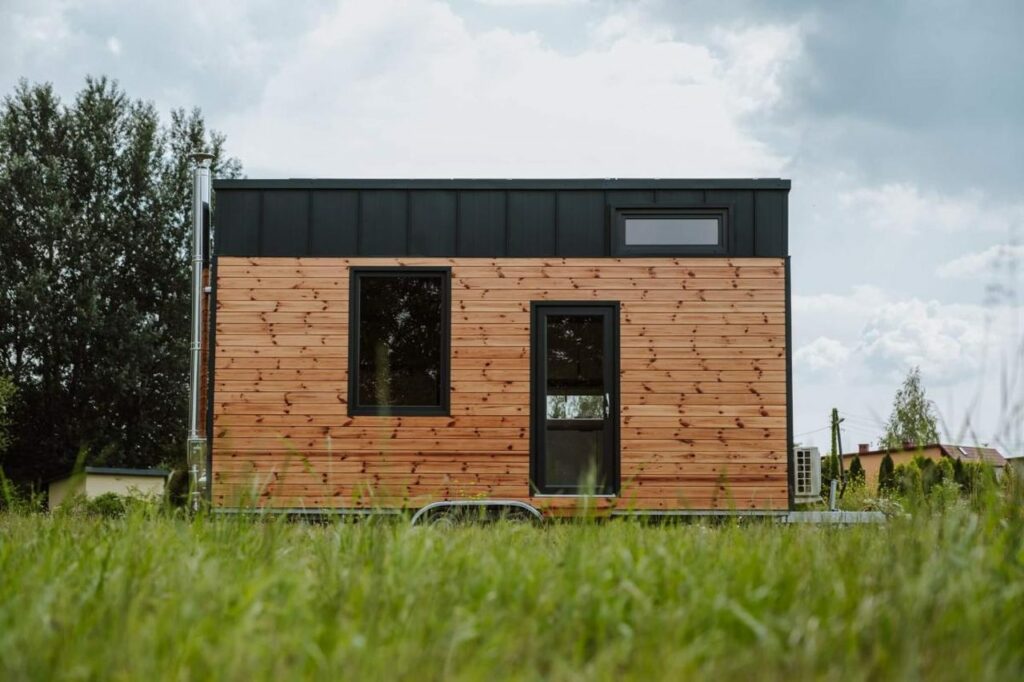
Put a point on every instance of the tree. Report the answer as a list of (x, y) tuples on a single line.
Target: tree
[(8, 392), (913, 419), (886, 475), (94, 275), (857, 473)]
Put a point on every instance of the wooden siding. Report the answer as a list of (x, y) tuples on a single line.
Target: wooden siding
[(703, 385)]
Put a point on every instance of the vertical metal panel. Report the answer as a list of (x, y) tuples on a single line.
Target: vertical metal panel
[(770, 223), (626, 197), (582, 228), (334, 223), (285, 230), (679, 197), (382, 225), (741, 218), (236, 222), (531, 223), (432, 222), (481, 223)]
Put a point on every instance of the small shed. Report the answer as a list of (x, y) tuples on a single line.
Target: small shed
[(95, 481)]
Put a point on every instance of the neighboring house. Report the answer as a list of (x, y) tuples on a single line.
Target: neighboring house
[(95, 481), (395, 343), (1016, 462), (871, 460)]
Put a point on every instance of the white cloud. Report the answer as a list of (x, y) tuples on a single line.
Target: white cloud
[(983, 263), (822, 354), (903, 208), (114, 45), (407, 89), (885, 335)]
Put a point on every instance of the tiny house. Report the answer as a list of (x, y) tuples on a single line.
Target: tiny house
[(395, 343)]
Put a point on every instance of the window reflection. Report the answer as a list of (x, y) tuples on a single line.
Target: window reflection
[(400, 339)]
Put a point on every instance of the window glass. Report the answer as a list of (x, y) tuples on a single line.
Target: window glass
[(401, 340), (665, 231)]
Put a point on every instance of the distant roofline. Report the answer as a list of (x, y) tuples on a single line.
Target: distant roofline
[(506, 183), (123, 471), (917, 448)]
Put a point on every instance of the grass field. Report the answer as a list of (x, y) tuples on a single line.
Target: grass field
[(937, 596)]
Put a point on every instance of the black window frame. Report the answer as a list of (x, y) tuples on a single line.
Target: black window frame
[(538, 393), (354, 408), (619, 215)]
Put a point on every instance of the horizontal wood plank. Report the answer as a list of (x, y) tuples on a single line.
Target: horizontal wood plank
[(703, 385)]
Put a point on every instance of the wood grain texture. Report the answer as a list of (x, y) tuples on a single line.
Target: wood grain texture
[(702, 369)]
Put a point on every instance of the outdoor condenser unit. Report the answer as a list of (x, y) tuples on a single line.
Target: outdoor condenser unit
[(808, 474)]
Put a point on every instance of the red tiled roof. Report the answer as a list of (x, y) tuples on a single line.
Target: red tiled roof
[(966, 453), (970, 454)]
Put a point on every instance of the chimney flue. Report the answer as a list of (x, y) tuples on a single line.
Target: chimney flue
[(197, 464), (863, 448)]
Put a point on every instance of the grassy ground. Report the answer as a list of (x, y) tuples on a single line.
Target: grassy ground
[(938, 596)]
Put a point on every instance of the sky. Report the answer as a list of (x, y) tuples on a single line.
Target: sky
[(900, 124)]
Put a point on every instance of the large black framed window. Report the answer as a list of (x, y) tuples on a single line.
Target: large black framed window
[(399, 341), (661, 231)]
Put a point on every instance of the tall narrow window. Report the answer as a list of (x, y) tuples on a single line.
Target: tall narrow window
[(399, 340)]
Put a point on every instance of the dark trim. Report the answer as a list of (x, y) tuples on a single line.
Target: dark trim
[(211, 340), (617, 215), (790, 445), (442, 410), (123, 471), (506, 184), (537, 391)]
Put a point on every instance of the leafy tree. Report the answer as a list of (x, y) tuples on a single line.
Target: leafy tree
[(886, 475), (94, 275), (857, 473), (913, 418)]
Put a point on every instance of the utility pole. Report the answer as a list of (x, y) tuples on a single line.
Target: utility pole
[(837, 450)]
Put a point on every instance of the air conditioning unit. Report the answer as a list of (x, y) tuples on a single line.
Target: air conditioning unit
[(808, 475)]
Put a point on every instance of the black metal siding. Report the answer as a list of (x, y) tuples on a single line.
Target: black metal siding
[(383, 217), (334, 226), (285, 229), (485, 218), (432, 222), (481, 224), (531, 224)]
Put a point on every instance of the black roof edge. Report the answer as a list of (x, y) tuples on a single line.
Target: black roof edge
[(109, 471), (507, 184), (122, 471)]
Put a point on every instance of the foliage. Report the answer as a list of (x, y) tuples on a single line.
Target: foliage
[(8, 392), (857, 473), (886, 475), (20, 499), (106, 506), (157, 597), (829, 470), (913, 418), (94, 273)]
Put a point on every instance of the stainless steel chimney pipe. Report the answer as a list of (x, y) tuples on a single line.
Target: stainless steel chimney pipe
[(198, 474)]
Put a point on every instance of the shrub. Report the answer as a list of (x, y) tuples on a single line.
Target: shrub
[(857, 474), (886, 476)]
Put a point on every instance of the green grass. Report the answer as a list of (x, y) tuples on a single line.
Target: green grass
[(938, 596)]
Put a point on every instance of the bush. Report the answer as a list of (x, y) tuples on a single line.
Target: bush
[(18, 499), (857, 474), (886, 476), (106, 506)]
